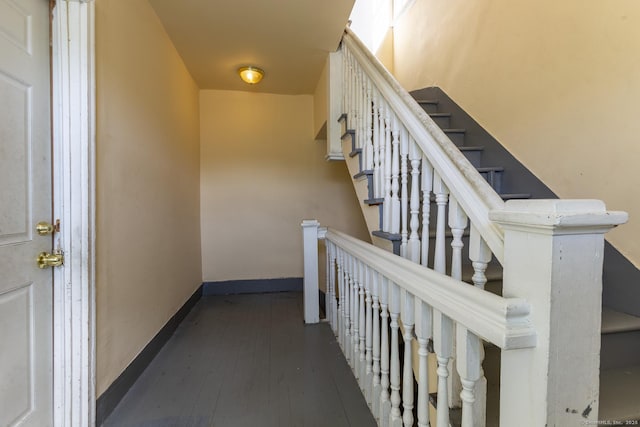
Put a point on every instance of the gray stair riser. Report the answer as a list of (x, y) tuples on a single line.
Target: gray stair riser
[(443, 121), (474, 157), (457, 137), (494, 178), (620, 349), (429, 106)]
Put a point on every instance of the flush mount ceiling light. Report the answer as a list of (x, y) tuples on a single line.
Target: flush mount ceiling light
[(251, 75)]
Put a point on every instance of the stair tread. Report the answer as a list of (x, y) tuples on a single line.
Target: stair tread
[(471, 148), (355, 152), (348, 132), (490, 168), (453, 130), (440, 114), (363, 173), (510, 196), (377, 201), (388, 236), (616, 321), (427, 101), (619, 397)]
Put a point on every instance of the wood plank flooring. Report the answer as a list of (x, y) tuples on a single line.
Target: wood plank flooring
[(246, 360)]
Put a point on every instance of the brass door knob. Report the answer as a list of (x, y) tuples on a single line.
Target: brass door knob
[(46, 259), (43, 228)]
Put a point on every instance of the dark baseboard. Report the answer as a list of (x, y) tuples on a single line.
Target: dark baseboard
[(254, 286), (107, 402)]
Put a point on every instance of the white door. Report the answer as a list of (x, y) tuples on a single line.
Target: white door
[(25, 199)]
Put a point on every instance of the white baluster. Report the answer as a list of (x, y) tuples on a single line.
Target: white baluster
[(457, 223), (345, 79), (395, 417), (347, 97), (414, 223), (385, 401), (386, 160), (377, 137), (442, 196), (360, 127), (350, 313), (340, 298), (442, 344), (408, 321), (355, 321), (404, 196), (480, 255), (334, 289), (362, 328), (352, 94), (468, 361), (375, 382), (423, 333), (370, 116), (395, 175), (368, 344), (328, 295), (427, 186), (347, 308)]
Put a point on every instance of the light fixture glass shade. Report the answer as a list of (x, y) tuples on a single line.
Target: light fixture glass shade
[(251, 75)]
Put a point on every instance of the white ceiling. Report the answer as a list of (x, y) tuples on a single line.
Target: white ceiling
[(289, 39)]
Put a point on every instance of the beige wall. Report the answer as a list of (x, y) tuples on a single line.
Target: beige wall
[(556, 82), (148, 226), (262, 173), (320, 105)]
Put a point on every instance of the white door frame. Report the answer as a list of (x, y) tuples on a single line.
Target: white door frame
[(73, 108)]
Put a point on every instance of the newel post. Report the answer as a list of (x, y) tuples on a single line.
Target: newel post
[(553, 259), (310, 234)]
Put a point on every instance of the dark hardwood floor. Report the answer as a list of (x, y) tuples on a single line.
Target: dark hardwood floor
[(246, 360)]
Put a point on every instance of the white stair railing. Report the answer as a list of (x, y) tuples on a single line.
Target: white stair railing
[(550, 252)]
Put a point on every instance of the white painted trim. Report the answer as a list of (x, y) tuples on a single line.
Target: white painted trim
[(310, 285), (334, 106), (73, 84)]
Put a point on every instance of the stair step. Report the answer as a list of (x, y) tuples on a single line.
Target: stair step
[(473, 154), (395, 239), (456, 136), (620, 340), (347, 133), (493, 175), (455, 414), (374, 202), (355, 152), (512, 196), (443, 120), (616, 321), (363, 174), (619, 397), (428, 105)]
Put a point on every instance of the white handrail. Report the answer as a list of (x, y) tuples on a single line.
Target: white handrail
[(502, 321), (472, 191)]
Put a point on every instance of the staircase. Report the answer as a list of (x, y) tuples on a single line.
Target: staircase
[(620, 342), (412, 200), (620, 345), (620, 348)]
